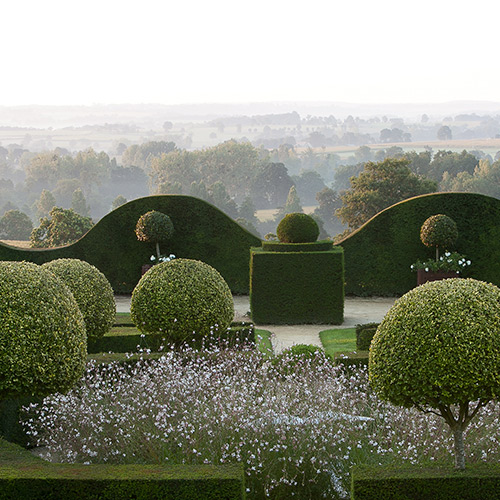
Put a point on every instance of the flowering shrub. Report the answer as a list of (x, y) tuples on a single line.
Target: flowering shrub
[(297, 435), (449, 262), (163, 258)]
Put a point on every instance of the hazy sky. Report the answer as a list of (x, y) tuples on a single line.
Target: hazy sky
[(172, 52)]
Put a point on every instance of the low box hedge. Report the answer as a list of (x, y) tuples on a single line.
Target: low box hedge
[(297, 287), (127, 338), (477, 482), (364, 335), (24, 476)]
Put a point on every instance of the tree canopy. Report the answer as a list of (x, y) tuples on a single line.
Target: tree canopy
[(379, 186)]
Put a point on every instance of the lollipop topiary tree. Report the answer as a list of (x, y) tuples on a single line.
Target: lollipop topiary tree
[(92, 292), (178, 298), (439, 231), (155, 227), (43, 344), (438, 350)]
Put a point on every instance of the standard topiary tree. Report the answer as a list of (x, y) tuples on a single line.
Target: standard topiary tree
[(180, 297), (92, 292), (439, 231), (155, 227), (438, 350), (43, 345), (297, 228)]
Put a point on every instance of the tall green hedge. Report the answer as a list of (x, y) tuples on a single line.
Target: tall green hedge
[(379, 254), (297, 287), (203, 233)]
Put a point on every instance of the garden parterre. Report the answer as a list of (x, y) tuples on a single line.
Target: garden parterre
[(297, 431)]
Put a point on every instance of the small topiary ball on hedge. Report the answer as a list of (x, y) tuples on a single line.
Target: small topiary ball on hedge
[(92, 292), (297, 228), (439, 231), (43, 344), (180, 297), (154, 226)]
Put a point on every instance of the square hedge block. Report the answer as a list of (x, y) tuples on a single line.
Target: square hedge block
[(297, 287)]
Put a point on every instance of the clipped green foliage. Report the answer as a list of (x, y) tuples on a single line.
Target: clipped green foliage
[(297, 228), (314, 246), (112, 245), (439, 231), (298, 357), (154, 226), (62, 227), (439, 346), (364, 335), (176, 298), (15, 225), (297, 287), (378, 255), (92, 292), (397, 482), (439, 342), (43, 342)]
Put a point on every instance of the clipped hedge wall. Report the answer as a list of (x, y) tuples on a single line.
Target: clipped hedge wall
[(203, 233), (477, 482), (379, 254), (24, 476), (297, 287)]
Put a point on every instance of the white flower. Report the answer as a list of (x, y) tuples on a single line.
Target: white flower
[(152, 258), (468, 262), (426, 269)]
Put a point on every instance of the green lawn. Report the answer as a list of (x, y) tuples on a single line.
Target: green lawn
[(337, 340)]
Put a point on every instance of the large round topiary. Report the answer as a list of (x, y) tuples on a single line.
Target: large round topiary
[(155, 227), (43, 345), (180, 297), (439, 231), (297, 228), (92, 292), (439, 347)]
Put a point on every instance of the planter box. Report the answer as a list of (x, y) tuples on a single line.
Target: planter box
[(145, 268), (424, 276)]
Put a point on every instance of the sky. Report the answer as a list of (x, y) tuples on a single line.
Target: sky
[(62, 52)]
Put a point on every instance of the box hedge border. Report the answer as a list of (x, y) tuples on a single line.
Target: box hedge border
[(22, 475), (297, 287), (315, 246), (375, 482), (378, 255), (201, 231)]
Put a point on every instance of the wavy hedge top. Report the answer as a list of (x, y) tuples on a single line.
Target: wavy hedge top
[(379, 254), (206, 234)]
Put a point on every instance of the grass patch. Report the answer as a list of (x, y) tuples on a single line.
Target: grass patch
[(263, 341), (337, 340)]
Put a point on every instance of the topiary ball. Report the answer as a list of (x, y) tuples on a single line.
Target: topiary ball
[(439, 344), (43, 344), (154, 226), (297, 228), (180, 297), (92, 293), (439, 231)]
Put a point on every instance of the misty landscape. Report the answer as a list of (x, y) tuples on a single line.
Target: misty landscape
[(245, 159)]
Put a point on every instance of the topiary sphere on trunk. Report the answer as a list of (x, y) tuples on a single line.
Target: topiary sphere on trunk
[(43, 344), (297, 228), (177, 298), (439, 231), (154, 227), (438, 348), (92, 293)]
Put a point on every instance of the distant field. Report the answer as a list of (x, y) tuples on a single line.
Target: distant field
[(488, 146), (269, 213)]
